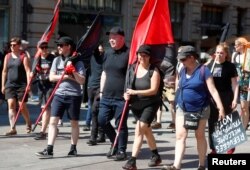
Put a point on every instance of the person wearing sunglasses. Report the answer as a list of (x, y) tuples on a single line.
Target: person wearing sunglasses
[(194, 83), (15, 77), (68, 96), (41, 69)]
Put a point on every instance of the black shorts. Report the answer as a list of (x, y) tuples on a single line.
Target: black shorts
[(44, 96), (147, 114), (16, 92), (69, 104)]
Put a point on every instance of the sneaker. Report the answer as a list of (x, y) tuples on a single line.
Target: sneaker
[(86, 128), (92, 142), (100, 140), (110, 154), (72, 153), (130, 165), (201, 168), (44, 154), (231, 151), (156, 125), (120, 156), (167, 167), (171, 126), (40, 136), (154, 161), (11, 132)]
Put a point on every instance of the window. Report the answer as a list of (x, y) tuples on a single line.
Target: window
[(211, 20), (93, 5), (4, 26), (176, 15)]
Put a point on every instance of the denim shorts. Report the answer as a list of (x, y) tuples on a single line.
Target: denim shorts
[(71, 105)]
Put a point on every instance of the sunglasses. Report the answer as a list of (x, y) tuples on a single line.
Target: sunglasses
[(13, 45), (61, 45), (183, 59), (44, 47)]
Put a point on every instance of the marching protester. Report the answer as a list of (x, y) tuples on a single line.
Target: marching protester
[(111, 92), (225, 80), (97, 134), (67, 97), (41, 69), (145, 101), (238, 58), (15, 77), (193, 80)]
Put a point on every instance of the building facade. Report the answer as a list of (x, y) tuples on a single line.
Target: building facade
[(196, 22)]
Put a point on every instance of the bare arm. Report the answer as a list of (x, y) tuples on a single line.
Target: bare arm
[(235, 87), (4, 74), (213, 91)]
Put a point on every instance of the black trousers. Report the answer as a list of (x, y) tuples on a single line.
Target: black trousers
[(94, 97)]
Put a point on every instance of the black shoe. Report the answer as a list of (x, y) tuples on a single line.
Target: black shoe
[(121, 156), (72, 152), (100, 140), (44, 154), (91, 142), (110, 154), (86, 128), (154, 161), (40, 136), (130, 165)]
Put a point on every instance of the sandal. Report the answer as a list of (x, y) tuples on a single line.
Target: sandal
[(169, 167), (28, 129)]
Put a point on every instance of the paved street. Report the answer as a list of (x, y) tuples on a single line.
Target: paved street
[(18, 152)]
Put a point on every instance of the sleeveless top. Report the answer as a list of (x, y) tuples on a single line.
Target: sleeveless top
[(16, 74)]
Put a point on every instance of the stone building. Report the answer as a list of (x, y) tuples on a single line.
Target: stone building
[(196, 22)]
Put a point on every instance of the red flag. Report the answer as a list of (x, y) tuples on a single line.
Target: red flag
[(50, 29), (153, 26), (89, 41)]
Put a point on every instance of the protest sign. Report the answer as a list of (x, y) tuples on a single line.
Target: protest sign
[(229, 132)]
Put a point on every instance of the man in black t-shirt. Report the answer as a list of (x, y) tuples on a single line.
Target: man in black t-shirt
[(111, 92)]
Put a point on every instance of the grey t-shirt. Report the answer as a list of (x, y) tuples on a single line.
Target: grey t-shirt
[(68, 87)]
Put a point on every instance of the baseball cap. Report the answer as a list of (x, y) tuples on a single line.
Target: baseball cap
[(144, 49), (42, 42), (116, 30), (186, 51), (65, 40)]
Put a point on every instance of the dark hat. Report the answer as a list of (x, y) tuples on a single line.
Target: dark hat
[(116, 30), (144, 49), (186, 51), (65, 40), (42, 42)]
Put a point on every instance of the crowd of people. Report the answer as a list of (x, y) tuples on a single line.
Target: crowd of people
[(217, 87)]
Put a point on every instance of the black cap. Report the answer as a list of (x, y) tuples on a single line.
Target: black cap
[(116, 30), (42, 42), (144, 49), (186, 51), (65, 40)]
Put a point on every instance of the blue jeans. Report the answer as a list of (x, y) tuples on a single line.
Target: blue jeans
[(112, 108)]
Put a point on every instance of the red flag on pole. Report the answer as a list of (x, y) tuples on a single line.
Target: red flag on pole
[(153, 26), (50, 29), (46, 37)]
